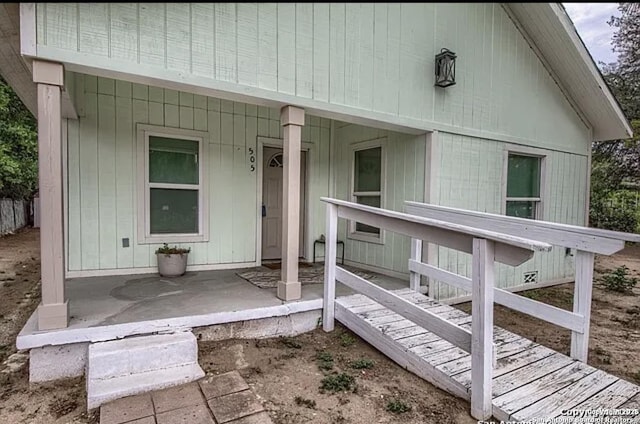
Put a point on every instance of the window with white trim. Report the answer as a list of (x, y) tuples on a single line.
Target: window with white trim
[(524, 192), (367, 186), (174, 186)]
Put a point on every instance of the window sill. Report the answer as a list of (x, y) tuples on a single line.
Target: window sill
[(187, 238), (365, 237)]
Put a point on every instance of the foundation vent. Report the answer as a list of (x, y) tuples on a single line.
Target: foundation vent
[(531, 277)]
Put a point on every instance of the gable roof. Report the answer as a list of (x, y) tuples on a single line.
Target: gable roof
[(547, 27), (552, 33)]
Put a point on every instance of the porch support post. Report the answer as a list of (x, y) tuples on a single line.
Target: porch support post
[(53, 312), (292, 119)]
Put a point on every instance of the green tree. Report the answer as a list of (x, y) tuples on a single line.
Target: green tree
[(615, 162), (18, 147)]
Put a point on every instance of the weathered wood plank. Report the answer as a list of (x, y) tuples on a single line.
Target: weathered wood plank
[(511, 355), (510, 381), (633, 403), (528, 394), (614, 396), (566, 398), (422, 317)]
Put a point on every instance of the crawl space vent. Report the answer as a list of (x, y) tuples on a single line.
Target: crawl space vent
[(531, 277)]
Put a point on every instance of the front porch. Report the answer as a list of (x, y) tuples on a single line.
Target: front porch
[(113, 307)]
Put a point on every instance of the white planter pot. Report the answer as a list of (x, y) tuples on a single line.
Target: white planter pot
[(173, 265)]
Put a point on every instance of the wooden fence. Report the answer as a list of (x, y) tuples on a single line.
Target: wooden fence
[(14, 214)]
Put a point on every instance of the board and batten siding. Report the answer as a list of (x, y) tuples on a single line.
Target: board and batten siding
[(404, 157), (470, 177), (102, 167), (362, 59)]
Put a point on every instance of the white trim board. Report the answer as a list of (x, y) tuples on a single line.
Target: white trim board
[(143, 231), (149, 75), (514, 289), (154, 269), (29, 338), (380, 142)]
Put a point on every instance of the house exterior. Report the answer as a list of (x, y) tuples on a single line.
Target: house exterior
[(218, 127)]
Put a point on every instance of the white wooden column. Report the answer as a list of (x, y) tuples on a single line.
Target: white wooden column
[(292, 119), (416, 255), (482, 328), (53, 312), (582, 290), (329, 298)]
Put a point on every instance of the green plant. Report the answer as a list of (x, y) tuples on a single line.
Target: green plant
[(300, 401), (175, 250), (362, 364), (338, 383), (324, 360), (289, 342), (618, 280), (397, 406), (347, 339)]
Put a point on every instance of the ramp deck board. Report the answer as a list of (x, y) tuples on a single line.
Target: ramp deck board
[(530, 380)]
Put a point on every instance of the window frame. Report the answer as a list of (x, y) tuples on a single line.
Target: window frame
[(352, 233), (541, 154), (144, 186)]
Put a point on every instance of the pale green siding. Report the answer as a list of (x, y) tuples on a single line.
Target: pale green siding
[(102, 166), (404, 180), (372, 58), (470, 177)]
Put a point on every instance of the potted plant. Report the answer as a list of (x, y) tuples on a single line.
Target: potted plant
[(172, 261)]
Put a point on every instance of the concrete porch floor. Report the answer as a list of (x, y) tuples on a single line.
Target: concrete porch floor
[(105, 308)]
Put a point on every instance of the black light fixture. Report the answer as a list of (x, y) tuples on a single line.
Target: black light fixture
[(445, 68)]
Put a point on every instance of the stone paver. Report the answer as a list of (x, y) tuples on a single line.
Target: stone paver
[(259, 418), (177, 397), (126, 409), (145, 420), (187, 415), (223, 384), (229, 400), (236, 405)]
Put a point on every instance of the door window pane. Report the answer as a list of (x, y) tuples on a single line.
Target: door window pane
[(368, 169), (173, 161), (522, 209), (523, 176), (369, 201), (174, 211)]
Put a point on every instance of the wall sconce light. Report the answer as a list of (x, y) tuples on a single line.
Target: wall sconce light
[(445, 68)]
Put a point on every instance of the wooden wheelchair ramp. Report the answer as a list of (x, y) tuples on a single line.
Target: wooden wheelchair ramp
[(529, 380)]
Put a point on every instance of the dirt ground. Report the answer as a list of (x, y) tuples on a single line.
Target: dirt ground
[(286, 373)]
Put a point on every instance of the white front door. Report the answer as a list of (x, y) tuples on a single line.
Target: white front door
[(272, 177)]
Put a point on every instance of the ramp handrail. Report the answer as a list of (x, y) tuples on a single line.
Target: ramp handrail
[(586, 241), (485, 246)]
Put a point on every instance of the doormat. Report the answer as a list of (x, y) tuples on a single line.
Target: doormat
[(278, 265), (269, 279)]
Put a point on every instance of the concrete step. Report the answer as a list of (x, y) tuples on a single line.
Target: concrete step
[(135, 365)]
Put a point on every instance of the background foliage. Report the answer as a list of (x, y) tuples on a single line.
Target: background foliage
[(616, 165), (18, 147)]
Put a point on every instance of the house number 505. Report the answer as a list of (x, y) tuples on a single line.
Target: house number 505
[(252, 159)]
